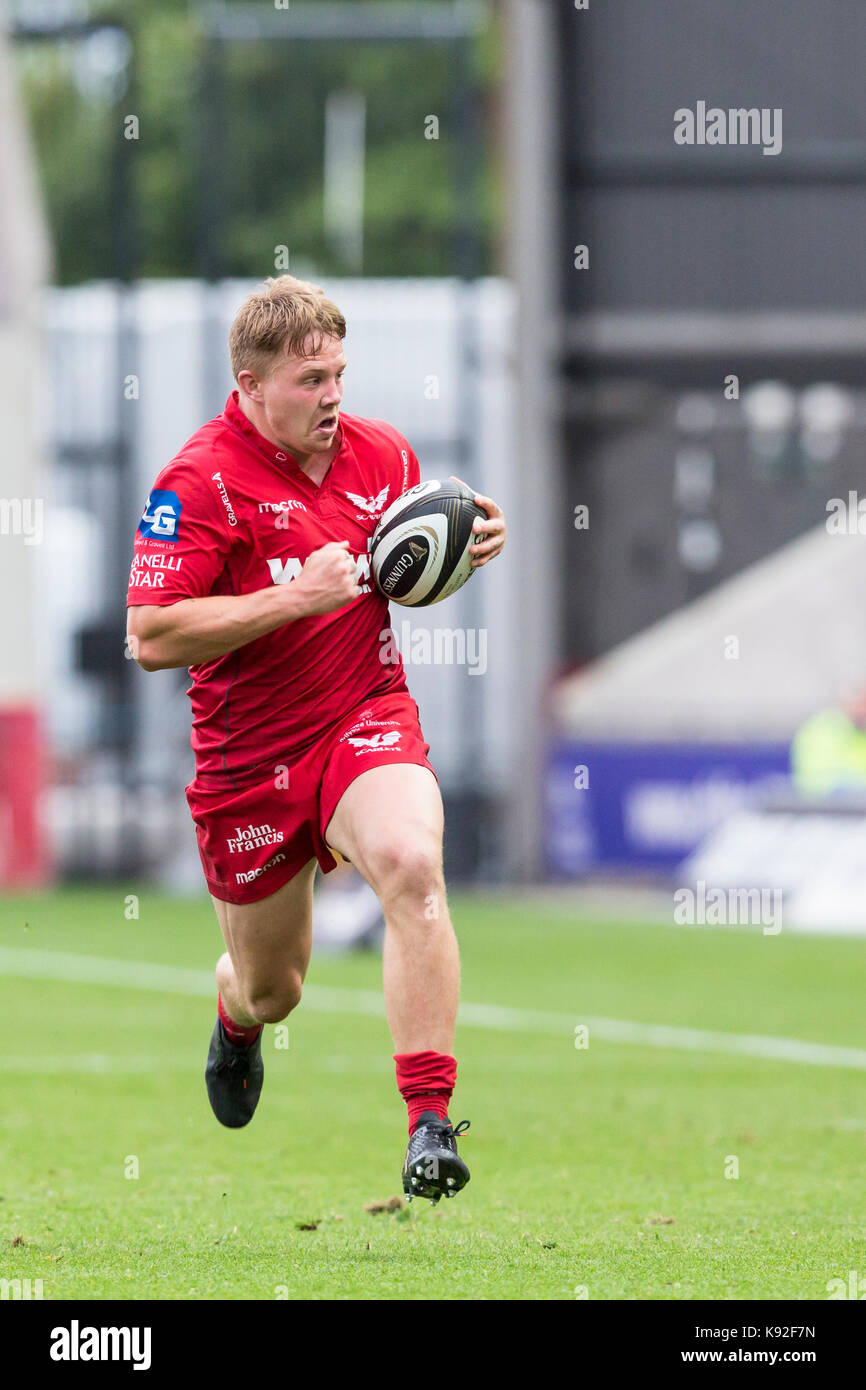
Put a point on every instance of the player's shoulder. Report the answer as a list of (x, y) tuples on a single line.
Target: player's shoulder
[(376, 442), (373, 432), (197, 460)]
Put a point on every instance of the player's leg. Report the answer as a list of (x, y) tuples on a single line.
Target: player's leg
[(346, 911), (267, 953), (259, 978), (389, 823)]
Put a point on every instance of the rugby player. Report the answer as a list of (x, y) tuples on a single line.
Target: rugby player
[(251, 568)]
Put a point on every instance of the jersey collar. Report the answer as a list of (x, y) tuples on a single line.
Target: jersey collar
[(235, 417)]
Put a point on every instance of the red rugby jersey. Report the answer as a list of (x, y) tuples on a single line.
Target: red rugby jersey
[(233, 513)]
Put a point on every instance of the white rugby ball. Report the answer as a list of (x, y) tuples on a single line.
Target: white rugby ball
[(419, 553)]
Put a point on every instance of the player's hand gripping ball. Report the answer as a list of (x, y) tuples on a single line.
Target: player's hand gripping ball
[(419, 553)]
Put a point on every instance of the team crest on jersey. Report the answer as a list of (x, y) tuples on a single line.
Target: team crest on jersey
[(161, 518), (377, 740), (370, 506)]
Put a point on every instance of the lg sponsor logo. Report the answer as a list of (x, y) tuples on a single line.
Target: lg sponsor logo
[(161, 519)]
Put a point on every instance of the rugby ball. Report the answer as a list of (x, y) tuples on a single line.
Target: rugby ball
[(419, 552)]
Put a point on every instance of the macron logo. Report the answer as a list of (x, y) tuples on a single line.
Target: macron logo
[(76, 1343)]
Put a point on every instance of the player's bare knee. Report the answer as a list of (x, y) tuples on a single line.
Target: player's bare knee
[(406, 866), (271, 1008), (275, 1003)]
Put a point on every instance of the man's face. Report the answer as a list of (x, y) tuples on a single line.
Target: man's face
[(300, 398)]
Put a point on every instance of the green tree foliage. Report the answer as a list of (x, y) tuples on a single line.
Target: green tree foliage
[(262, 128)]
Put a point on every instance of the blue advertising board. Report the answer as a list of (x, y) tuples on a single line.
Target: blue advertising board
[(646, 806)]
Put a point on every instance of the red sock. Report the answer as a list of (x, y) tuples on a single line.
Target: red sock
[(425, 1080), (236, 1032)]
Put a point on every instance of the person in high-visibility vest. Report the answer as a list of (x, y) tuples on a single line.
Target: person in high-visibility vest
[(828, 752)]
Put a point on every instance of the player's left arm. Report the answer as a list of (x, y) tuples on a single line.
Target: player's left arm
[(493, 529)]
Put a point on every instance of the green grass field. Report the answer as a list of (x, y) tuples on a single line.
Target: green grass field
[(600, 1169)]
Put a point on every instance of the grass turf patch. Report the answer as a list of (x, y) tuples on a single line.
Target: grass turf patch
[(598, 1172)]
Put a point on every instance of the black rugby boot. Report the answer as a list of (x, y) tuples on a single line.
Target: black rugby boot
[(234, 1077), (433, 1168)]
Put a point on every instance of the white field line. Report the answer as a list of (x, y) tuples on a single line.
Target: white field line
[(176, 979), (97, 1064)]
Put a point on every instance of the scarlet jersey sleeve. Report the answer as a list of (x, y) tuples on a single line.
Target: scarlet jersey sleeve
[(183, 539)]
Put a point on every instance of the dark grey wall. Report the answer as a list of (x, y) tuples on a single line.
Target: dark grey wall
[(727, 230), (796, 240)]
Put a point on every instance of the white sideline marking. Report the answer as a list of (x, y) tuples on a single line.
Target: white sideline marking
[(95, 1064), (178, 979)]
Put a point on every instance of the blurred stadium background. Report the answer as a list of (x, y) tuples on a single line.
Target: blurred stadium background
[(653, 356)]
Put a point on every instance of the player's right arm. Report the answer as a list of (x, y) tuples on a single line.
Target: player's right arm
[(195, 630), (177, 615)]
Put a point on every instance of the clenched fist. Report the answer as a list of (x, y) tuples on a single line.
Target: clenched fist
[(328, 578)]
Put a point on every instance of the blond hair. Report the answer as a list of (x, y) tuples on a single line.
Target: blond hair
[(278, 319)]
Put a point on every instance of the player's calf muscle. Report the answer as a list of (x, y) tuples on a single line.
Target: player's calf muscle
[(230, 992), (268, 946)]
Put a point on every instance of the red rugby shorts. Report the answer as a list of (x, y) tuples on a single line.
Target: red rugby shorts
[(255, 838)]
